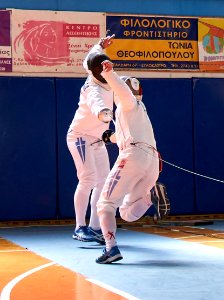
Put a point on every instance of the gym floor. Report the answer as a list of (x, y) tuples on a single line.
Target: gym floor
[(161, 261)]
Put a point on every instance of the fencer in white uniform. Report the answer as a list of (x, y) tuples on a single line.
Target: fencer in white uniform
[(89, 153), (136, 169)]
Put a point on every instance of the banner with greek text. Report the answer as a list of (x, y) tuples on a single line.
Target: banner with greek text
[(211, 44), (5, 42), (153, 43), (54, 41)]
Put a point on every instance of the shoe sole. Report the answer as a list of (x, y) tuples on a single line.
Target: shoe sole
[(110, 260), (165, 206), (100, 242), (75, 237), (164, 203)]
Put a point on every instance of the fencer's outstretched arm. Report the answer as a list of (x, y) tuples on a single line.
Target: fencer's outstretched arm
[(120, 88), (98, 48)]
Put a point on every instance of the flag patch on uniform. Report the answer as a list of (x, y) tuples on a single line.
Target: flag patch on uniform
[(113, 182), (81, 146)]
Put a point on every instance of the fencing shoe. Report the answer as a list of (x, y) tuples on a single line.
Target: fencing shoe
[(109, 256), (82, 234), (160, 200), (96, 235)]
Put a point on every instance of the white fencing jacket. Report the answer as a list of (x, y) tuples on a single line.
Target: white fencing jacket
[(132, 122), (94, 97)]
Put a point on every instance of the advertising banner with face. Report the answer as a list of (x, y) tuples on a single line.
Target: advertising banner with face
[(49, 41)]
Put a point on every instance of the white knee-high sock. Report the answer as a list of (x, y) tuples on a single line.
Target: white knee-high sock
[(81, 200), (108, 226), (94, 219)]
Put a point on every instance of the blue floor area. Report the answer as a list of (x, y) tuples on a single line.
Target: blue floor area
[(153, 267)]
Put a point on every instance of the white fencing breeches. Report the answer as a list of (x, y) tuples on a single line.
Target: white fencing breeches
[(128, 187), (92, 165)]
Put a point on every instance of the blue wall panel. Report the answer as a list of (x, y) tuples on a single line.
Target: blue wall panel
[(209, 144), (169, 104), (37, 173), (27, 149)]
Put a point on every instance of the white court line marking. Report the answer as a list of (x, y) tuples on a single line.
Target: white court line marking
[(35, 225), (189, 237), (112, 289), (202, 241), (25, 250), (5, 295)]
